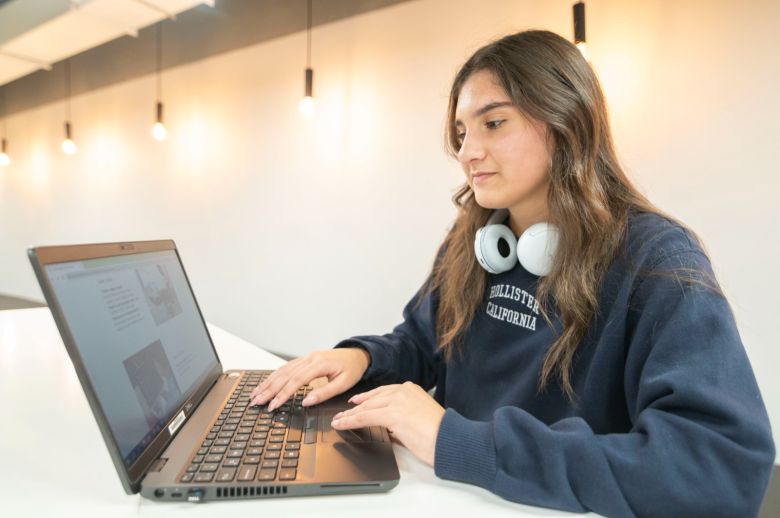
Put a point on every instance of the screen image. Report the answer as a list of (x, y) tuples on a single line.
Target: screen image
[(140, 335)]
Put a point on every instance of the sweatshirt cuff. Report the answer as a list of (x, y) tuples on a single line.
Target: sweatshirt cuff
[(465, 451), (375, 368)]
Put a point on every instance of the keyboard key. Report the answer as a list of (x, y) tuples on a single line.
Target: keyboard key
[(252, 459), (291, 454), (213, 457), (222, 442), (274, 447), (197, 459), (290, 463), (235, 453), (254, 451), (192, 468), (203, 451), (257, 443), (204, 477), (296, 429), (208, 468), (226, 474), (287, 474), (293, 446), (266, 474), (232, 462), (218, 449), (269, 464), (270, 454), (187, 477), (247, 473)]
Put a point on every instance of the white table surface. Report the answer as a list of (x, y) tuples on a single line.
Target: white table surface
[(53, 461)]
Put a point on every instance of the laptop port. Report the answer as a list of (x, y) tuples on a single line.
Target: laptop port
[(195, 495), (176, 495), (159, 493)]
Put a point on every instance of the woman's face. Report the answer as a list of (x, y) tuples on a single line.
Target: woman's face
[(505, 154)]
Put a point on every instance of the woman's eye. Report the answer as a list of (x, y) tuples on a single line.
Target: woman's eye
[(494, 124), (460, 137)]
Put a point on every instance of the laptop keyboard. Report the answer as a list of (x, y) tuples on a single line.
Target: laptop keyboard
[(248, 443)]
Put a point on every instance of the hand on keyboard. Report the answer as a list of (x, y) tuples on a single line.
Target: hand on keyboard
[(408, 412), (342, 367)]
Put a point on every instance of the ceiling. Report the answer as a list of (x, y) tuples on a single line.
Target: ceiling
[(35, 34)]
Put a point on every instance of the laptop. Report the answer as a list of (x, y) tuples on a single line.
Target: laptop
[(178, 427)]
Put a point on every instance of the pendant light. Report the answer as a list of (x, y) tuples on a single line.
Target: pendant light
[(159, 132), (5, 160), (306, 106), (68, 146), (579, 28)]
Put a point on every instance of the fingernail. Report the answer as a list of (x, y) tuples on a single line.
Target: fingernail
[(309, 400), (272, 404), (338, 416)]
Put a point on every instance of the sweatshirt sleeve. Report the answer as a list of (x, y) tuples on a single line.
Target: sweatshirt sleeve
[(408, 353), (699, 443)]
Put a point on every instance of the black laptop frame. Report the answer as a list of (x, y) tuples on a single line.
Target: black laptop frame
[(40, 257)]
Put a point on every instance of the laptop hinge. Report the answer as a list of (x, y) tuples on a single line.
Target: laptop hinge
[(157, 465)]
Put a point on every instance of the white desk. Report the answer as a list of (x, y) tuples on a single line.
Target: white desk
[(53, 461)]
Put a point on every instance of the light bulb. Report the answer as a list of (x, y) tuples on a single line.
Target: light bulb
[(69, 147), (306, 106), (159, 132), (583, 49), (5, 160)]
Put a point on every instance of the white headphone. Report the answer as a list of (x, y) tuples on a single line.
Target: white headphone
[(497, 251)]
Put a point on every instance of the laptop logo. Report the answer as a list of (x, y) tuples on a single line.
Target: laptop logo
[(177, 422)]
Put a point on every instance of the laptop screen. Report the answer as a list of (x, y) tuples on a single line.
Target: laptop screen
[(138, 330)]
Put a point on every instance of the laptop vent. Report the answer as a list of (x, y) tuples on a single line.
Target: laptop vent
[(250, 491)]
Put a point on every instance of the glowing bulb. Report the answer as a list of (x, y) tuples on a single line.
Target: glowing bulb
[(5, 160), (306, 106), (69, 147), (159, 132), (583, 49)]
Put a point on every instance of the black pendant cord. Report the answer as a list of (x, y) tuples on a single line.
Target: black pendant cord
[(159, 62), (5, 114), (67, 90), (308, 34), (579, 22)]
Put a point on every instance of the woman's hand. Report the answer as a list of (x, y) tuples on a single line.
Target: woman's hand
[(410, 414), (343, 367)]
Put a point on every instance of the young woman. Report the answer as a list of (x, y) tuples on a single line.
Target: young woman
[(606, 376)]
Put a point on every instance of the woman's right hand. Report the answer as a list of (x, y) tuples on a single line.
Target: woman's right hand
[(343, 367)]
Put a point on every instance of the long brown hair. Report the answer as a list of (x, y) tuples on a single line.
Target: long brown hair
[(589, 196)]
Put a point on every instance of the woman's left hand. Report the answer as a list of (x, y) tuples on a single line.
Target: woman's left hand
[(408, 412)]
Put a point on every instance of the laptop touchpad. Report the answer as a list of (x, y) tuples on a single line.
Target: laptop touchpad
[(366, 434)]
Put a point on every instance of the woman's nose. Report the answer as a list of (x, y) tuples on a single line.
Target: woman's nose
[(470, 149)]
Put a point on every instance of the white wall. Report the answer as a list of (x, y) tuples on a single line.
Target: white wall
[(297, 233)]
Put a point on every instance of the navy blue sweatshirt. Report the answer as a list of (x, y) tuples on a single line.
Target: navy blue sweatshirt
[(667, 418)]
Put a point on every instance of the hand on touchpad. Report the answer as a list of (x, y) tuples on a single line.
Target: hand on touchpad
[(356, 435)]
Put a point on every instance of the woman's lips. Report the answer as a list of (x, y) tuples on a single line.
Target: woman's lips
[(482, 177)]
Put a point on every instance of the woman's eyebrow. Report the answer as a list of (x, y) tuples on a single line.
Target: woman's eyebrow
[(485, 109)]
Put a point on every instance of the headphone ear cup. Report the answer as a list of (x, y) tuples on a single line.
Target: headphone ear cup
[(536, 248), (496, 248)]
